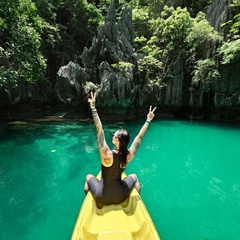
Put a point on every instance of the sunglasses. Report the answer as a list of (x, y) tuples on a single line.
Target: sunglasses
[(113, 135)]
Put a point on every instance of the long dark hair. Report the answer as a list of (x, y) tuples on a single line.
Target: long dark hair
[(124, 138)]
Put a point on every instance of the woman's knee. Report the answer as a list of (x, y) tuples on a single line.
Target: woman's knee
[(134, 176), (88, 177)]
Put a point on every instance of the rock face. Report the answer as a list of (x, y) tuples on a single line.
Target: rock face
[(69, 83), (223, 101), (227, 90), (112, 45), (218, 13), (110, 66)]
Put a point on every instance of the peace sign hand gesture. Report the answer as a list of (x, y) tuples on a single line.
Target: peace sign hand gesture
[(150, 114), (92, 100)]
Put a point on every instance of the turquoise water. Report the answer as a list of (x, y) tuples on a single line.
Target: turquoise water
[(189, 172)]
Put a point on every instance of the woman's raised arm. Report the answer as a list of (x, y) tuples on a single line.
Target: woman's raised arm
[(102, 145), (136, 142)]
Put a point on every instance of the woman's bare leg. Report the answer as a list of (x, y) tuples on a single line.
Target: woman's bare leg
[(137, 184), (86, 188)]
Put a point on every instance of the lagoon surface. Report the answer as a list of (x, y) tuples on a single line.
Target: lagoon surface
[(189, 172)]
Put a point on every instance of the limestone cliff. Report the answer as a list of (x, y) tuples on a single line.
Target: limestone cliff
[(227, 90), (111, 47), (223, 100), (111, 67)]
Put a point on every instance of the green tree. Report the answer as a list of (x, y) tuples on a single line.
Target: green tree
[(36, 36), (171, 30), (167, 43), (202, 35), (21, 61), (176, 36), (141, 22), (205, 74), (230, 49), (72, 26)]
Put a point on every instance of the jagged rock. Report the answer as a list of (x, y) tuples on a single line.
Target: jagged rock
[(112, 45), (217, 13), (115, 89), (68, 87), (173, 96)]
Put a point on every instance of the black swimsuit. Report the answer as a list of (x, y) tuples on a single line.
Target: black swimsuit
[(111, 189)]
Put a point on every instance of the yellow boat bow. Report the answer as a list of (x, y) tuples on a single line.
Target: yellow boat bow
[(125, 221)]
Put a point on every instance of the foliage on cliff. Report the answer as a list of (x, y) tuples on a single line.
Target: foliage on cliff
[(38, 37), (21, 60), (230, 49)]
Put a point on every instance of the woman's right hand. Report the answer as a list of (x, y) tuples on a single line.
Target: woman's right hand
[(150, 114), (92, 100)]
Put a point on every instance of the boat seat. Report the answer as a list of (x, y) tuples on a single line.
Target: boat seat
[(113, 235), (128, 206)]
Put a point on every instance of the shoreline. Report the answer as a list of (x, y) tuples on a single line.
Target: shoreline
[(59, 114)]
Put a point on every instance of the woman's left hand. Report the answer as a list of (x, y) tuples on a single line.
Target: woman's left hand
[(151, 115), (92, 100)]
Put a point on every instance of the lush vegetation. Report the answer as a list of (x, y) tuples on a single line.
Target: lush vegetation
[(230, 49), (37, 37), (22, 62)]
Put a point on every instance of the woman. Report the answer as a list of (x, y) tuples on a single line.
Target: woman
[(111, 189)]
